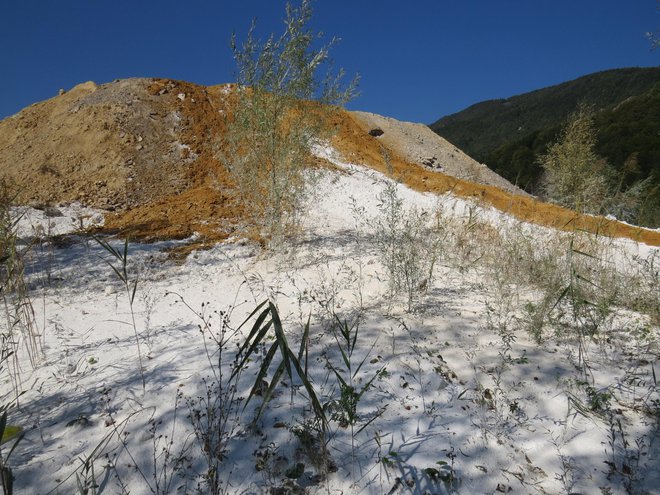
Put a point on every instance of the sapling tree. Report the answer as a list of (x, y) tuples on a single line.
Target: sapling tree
[(575, 177), (279, 110), (408, 241)]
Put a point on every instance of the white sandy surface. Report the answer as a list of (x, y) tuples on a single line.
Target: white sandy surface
[(448, 402)]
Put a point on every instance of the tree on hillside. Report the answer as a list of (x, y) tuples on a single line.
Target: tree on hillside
[(574, 176), (273, 122)]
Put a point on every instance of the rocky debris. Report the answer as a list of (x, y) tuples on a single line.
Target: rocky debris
[(416, 143), (432, 162)]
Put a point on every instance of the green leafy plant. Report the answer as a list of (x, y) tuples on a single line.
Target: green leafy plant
[(444, 472), (268, 324), (575, 176), (388, 460), (588, 302), (344, 409), (599, 400), (272, 124), (130, 287), (13, 434), (409, 243)]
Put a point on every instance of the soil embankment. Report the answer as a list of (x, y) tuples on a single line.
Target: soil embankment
[(145, 150)]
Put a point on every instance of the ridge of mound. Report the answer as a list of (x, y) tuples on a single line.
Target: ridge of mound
[(416, 143), (145, 150)]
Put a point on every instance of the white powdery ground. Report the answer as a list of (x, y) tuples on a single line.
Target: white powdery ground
[(447, 397)]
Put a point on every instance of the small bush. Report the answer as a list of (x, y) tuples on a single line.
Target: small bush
[(408, 242), (575, 176), (273, 123)]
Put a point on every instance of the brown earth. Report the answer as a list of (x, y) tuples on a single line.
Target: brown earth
[(145, 149)]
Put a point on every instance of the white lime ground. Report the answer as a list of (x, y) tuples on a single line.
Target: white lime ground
[(450, 406)]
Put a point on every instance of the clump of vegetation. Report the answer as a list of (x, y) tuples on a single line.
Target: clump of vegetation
[(409, 244), (295, 365), (273, 121), (352, 387), (575, 177), (20, 323), (20, 327)]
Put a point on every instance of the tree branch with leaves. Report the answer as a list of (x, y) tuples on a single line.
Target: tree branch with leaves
[(280, 110)]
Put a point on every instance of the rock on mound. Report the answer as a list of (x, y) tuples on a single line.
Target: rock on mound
[(418, 144)]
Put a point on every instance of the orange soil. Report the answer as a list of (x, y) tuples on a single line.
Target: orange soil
[(207, 206)]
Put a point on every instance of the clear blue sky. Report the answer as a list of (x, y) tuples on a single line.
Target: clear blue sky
[(418, 59)]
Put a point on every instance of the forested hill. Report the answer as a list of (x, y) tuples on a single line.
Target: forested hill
[(509, 134)]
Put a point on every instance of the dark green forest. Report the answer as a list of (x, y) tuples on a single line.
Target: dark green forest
[(509, 134)]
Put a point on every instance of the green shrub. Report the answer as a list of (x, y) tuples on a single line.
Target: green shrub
[(408, 242), (273, 122)]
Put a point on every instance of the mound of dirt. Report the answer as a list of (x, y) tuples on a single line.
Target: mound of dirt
[(142, 147), (416, 143), (145, 151)]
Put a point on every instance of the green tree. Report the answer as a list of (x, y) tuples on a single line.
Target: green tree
[(575, 176), (279, 112)]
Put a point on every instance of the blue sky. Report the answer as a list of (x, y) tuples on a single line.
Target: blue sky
[(418, 60)]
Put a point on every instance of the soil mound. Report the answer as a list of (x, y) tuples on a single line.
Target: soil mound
[(140, 147), (145, 151), (418, 144)]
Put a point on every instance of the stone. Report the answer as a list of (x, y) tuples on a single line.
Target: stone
[(431, 162), (51, 212)]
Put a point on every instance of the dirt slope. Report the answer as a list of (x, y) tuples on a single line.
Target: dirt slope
[(145, 150), (418, 144), (142, 147)]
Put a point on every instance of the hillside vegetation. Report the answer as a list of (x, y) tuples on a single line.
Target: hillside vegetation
[(509, 134)]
